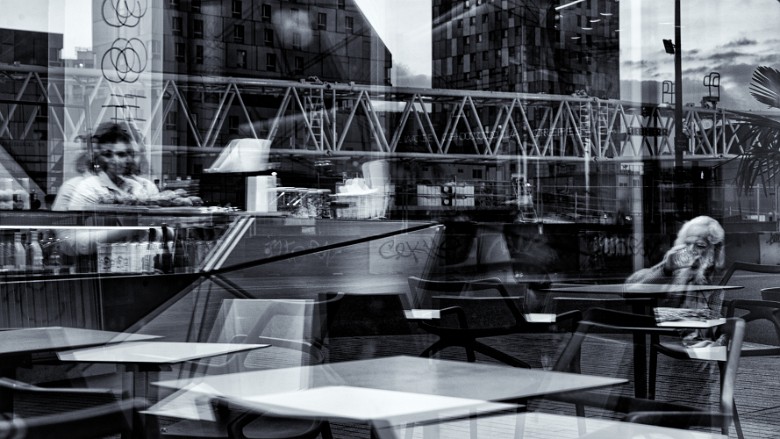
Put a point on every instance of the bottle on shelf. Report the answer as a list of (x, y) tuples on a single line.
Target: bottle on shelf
[(34, 253), (181, 257), (164, 260), (20, 253)]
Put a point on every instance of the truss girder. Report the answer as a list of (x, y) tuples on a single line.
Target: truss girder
[(439, 122)]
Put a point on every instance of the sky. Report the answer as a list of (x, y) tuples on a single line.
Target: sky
[(730, 37)]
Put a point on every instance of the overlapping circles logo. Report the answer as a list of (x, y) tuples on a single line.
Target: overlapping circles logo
[(124, 61), (123, 13)]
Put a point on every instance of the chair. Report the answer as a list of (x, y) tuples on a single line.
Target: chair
[(476, 316), (295, 330), (239, 420), (40, 412), (649, 410), (120, 417), (753, 277)]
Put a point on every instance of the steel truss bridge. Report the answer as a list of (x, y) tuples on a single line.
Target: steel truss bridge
[(331, 119)]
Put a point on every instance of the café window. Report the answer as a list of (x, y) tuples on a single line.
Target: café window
[(176, 25), (179, 52), (268, 37), (197, 28), (199, 54), (265, 12), (241, 58), (322, 21), (270, 62), (238, 33)]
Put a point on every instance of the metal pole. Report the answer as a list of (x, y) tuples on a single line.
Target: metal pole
[(680, 143)]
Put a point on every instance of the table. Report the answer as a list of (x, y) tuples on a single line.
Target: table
[(651, 291), (17, 346), (150, 356), (411, 375), (539, 425)]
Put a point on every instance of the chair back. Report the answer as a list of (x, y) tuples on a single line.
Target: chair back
[(762, 320), (771, 293), (486, 302)]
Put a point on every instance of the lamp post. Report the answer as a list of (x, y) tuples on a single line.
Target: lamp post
[(680, 142)]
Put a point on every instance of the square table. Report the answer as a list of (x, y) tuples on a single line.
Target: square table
[(152, 355), (409, 377), (17, 346), (538, 425)]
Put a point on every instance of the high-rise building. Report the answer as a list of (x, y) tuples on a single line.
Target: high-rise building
[(531, 46)]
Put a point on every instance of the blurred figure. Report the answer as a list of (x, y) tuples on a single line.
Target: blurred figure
[(117, 164), (65, 193)]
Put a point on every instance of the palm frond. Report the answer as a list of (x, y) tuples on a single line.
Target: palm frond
[(765, 86)]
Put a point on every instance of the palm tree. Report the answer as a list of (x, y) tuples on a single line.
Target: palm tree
[(758, 135)]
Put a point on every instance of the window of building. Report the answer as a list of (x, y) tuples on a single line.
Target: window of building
[(298, 64), (238, 33), (241, 58), (156, 49), (504, 33), (484, 56), (197, 28), (349, 24), (179, 52), (296, 40), (467, 4), (479, 38), (498, 17), (484, 18), (466, 40), (199, 54), (265, 12), (55, 54), (322, 21), (173, 3), (460, 23), (237, 9), (472, 21), (268, 37), (270, 62), (195, 5), (342, 4), (171, 118), (232, 124), (176, 25)]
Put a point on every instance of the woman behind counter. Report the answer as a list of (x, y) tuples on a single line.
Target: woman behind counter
[(117, 160)]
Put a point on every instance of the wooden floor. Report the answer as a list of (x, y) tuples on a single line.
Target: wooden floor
[(757, 393)]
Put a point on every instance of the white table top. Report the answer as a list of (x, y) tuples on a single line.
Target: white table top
[(457, 379), (53, 338), (153, 352), (360, 404), (638, 289), (540, 425)]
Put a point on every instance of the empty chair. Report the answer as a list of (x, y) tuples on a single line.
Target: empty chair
[(41, 412), (119, 417), (468, 313), (295, 330), (647, 410)]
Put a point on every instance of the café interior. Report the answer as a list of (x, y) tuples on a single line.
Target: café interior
[(389, 219)]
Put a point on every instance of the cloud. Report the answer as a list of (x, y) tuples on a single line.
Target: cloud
[(404, 77), (742, 42)]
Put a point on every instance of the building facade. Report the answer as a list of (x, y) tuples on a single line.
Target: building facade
[(530, 46)]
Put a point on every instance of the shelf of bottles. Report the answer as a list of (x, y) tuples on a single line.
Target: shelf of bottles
[(181, 248)]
